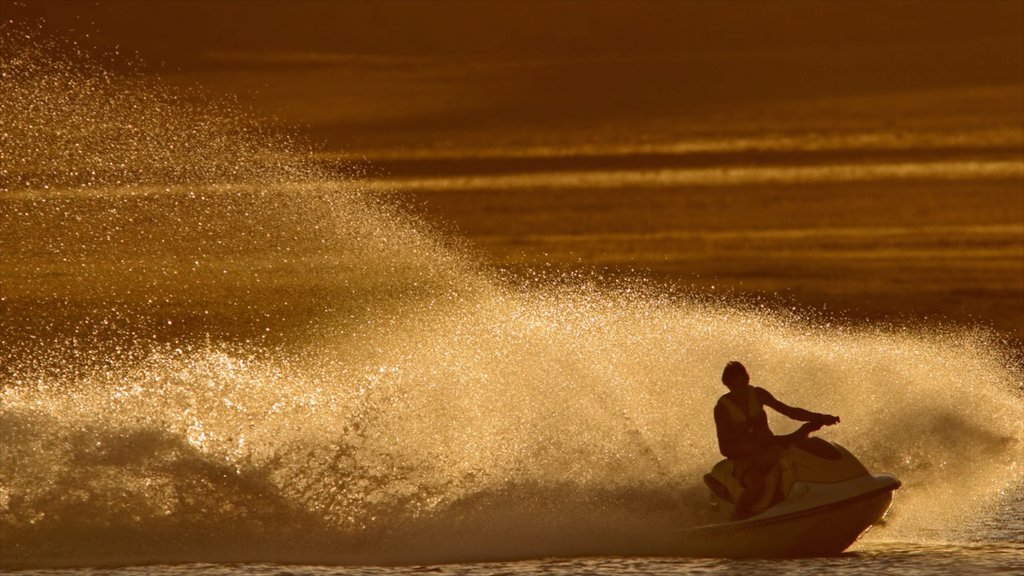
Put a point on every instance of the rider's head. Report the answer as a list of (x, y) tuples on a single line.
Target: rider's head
[(735, 375)]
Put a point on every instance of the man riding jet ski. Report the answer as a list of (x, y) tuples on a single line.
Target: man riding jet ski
[(745, 439), (788, 495)]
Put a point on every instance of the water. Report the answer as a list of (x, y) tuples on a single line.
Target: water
[(213, 352)]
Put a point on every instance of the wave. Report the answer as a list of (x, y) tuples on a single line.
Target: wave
[(717, 176)]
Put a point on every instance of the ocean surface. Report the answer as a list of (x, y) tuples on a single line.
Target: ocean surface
[(218, 357)]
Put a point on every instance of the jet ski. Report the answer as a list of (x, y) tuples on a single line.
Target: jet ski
[(817, 502)]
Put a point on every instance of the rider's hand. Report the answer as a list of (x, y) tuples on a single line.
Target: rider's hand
[(826, 420), (809, 427)]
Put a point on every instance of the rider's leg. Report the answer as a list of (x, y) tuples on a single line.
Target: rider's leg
[(753, 487)]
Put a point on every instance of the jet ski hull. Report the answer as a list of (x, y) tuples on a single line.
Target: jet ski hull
[(819, 530)]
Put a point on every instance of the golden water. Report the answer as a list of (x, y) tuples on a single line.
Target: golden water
[(212, 351)]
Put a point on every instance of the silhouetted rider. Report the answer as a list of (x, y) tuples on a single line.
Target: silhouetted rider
[(744, 436)]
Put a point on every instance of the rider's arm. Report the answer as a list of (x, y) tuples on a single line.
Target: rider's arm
[(800, 414)]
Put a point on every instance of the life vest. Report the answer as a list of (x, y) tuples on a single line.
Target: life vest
[(753, 420)]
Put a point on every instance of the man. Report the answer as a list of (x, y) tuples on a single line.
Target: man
[(744, 436)]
